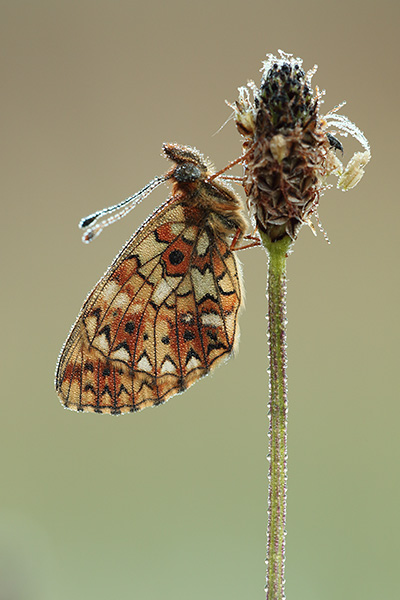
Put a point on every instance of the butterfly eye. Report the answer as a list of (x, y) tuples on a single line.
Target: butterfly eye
[(187, 172)]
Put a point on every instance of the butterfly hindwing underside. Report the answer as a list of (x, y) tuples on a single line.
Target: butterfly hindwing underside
[(165, 313)]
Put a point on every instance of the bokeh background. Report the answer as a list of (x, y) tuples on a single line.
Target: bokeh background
[(171, 502)]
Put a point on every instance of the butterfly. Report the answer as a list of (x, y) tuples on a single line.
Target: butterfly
[(165, 313)]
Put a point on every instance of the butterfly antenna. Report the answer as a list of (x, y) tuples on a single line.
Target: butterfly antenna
[(117, 211)]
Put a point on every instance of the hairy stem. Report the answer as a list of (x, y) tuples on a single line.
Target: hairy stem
[(277, 411)]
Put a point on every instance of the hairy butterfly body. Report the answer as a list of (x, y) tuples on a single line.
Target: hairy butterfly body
[(165, 312)]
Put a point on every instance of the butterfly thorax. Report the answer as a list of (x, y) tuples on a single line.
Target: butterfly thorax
[(207, 203)]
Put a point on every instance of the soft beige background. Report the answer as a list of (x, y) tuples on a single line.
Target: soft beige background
[(170, 503)]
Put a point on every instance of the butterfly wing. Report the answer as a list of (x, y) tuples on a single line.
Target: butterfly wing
[(164, 314)]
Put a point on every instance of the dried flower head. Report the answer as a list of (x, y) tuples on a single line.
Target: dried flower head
[(290, 148)]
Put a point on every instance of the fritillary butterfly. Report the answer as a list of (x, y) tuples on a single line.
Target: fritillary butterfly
[(165, 312)]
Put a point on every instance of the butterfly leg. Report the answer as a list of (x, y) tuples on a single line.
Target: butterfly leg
[(232, 178), (253, 243)]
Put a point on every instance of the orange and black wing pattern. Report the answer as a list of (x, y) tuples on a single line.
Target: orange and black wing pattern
[(164, 315)]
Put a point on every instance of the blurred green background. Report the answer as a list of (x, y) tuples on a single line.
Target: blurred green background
[(171, 502)]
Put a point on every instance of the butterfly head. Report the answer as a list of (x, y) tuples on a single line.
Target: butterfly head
[(190, 164), (187, 172)]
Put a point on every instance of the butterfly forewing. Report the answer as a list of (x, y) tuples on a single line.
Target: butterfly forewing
[(164, 315)]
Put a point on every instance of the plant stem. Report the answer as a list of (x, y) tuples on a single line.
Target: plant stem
[(277, 411)]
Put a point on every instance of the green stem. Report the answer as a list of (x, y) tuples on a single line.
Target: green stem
[(277, 410)]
